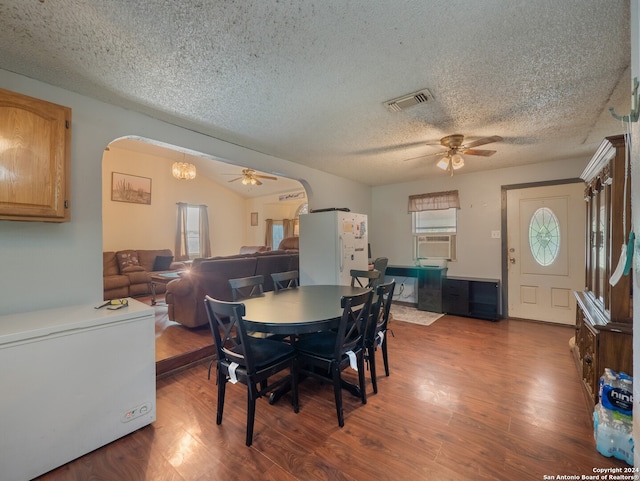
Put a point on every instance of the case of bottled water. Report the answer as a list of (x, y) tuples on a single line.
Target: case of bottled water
[(612, 416)]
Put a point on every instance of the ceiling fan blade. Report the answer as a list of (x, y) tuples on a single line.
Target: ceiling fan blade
[(237, 178), (483, 141), (483, 153), (442, 152), (269, 177), (258, 182)]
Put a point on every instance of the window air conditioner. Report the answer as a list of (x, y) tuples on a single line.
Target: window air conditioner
[(436, 246)]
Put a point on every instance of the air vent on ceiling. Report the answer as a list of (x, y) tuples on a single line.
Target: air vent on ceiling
[(403, 103)]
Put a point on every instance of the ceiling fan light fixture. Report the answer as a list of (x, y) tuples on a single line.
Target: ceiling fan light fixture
[(457, 161), (249, 180), (443, 163)]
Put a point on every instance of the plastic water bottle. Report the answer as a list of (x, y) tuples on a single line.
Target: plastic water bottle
[(613, 434)]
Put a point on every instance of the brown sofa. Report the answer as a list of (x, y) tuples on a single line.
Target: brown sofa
[(290, 244), (126, 273), (185, 296)]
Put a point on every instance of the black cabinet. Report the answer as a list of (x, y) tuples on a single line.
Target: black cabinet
[(469, 297), (430, 280)]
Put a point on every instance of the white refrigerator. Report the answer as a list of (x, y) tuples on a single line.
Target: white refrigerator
[(331, 244)]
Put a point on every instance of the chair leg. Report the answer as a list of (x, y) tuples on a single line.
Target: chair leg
[(371, 353), (222, 384), (385, 358), (337, 390), (361, 378), (251, 412), (209, 371), (294, 386)]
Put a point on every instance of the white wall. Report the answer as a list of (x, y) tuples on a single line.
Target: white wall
[(478, 254), (269, 207), (140, 226), (50, 265)]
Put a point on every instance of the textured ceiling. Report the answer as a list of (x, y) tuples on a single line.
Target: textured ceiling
[(305, 80)]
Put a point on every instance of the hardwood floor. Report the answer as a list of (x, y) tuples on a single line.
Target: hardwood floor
[(466, 399), (176, 345)]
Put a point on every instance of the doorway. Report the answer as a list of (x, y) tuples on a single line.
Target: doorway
[(544, 250)]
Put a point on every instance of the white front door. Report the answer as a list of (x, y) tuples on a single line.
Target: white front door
[(546, 257)]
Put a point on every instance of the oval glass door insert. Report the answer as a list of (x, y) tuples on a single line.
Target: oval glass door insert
[(544, 236)]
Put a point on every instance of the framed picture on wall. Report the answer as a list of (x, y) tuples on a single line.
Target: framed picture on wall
[(254, 218), (130, 188)]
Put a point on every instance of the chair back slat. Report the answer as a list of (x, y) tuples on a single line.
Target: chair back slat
[(285, 280), (380, 311), (229, 332), (246, 287), (355, 313), (366, 279)]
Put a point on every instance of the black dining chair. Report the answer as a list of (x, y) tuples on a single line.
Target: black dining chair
[(361, 278), (248, 360), (285, 280), (376, 330), (326, 354), (246, 287)]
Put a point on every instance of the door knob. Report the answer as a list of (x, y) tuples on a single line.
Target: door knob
[(512, 260)]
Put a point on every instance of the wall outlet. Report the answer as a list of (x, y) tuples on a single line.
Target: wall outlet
[(495, 234)]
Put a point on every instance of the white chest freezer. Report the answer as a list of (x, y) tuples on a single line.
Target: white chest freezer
[(72, 380)]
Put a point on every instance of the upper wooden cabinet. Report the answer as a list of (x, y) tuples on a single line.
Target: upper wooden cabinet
[(608, 201), (35, 158), (604, 318)]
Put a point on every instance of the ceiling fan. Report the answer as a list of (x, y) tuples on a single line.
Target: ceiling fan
[(452, 159), (251, 177)]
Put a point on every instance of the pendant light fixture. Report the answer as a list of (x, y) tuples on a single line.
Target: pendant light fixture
[(183, 170)]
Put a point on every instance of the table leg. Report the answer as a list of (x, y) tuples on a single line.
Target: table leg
[(286, 387), (352, 388), (152, 287)]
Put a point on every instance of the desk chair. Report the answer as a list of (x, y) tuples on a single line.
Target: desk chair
[(245, 359), (376, 334), (380, 265), (326, 354), (364, 278), (284, 280)]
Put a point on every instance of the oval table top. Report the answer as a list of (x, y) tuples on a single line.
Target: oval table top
[(297, 311)]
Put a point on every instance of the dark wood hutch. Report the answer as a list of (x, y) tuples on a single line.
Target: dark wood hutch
[(604, 317)]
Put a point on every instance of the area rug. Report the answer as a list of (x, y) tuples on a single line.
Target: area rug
[(404, 313)]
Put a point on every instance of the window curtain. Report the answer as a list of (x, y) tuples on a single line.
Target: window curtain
[(288, 227), (434, 201), (205, 240), (268, 236), (181, 244)]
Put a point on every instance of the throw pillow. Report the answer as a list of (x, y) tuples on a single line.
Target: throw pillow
[(132, 269), (162, 263), (127, 259)]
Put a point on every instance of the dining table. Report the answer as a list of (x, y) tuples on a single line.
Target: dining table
[(300, 310)]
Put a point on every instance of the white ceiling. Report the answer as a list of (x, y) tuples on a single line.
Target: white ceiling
[(305, 80)]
